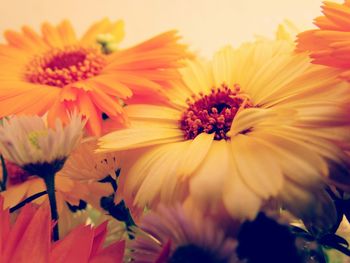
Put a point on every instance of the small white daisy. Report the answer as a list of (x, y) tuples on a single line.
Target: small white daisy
[(29, 143)]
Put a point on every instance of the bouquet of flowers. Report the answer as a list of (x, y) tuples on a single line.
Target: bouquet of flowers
[(154, 154)]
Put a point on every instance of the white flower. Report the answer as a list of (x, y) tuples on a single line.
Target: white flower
[(27, 141)]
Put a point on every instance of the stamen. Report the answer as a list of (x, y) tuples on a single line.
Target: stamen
[(60, 67), (213, 113)]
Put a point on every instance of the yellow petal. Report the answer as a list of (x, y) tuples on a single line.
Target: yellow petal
[(161, 178), (239, 200), (258, 168), (207, 184), (138, 137), (195, 154)]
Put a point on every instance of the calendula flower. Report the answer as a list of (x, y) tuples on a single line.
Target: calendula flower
[(29, 240), (329, 44), (69, 74), (255, 123), (175, 235)]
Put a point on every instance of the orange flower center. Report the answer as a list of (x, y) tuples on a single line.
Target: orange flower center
[(213, 113), (60, 67)]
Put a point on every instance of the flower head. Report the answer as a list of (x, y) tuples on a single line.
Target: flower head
[(70, 74), (29, 240), (329, 44), (70, 194), (251, 125), (78, 181), (174, 235), (29, 143)]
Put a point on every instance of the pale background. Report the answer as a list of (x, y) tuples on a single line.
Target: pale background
[(205, 24)]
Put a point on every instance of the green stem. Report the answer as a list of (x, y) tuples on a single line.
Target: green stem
[(4, 174), (49, 180)]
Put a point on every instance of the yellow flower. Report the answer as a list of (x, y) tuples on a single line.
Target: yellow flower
[(255, 123), (56, 72)]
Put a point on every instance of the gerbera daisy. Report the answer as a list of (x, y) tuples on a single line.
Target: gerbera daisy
[(174, 235), (70, 74), (330, 44), (256, 123), (29, 240)]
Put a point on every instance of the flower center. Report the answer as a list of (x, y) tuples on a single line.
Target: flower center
[(192, 253), (213, 113), (60, 67), (34, 137)]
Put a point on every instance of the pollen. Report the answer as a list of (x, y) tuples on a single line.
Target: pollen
[(34, 137), (214, 112), (62, 66)]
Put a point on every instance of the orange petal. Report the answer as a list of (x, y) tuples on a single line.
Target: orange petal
[(75, 247)]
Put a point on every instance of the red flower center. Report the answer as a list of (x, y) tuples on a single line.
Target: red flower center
[(60, 67), (213, 113)]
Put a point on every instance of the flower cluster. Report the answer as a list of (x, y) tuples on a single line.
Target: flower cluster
[(153, 154)]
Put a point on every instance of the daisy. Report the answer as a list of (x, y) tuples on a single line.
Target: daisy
[(29, 240), (39, 150), (78, 180), (29, 143), (255, 123), (329, 44), (69, 74), (174, 235), (21, 185)]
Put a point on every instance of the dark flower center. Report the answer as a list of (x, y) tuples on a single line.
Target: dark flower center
[(213, 113), (192, 253)]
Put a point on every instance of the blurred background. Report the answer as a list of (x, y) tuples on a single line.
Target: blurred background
[(205, 24)]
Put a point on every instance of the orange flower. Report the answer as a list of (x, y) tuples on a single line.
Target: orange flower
[(330, 44), (29, 240), (55, 72)]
